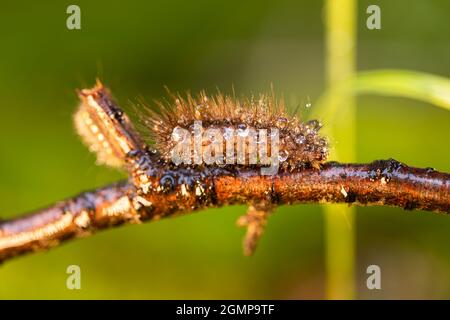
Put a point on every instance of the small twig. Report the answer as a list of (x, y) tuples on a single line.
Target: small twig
[(384, 182)]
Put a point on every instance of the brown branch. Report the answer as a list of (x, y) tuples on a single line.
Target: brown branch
[(384, 182)]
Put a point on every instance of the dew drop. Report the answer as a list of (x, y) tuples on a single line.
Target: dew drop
[(167, 183), (314, 124), (429, 169), (211, 137), (242, 130), (300, 139), (283, 155), (178, 134), (308, 104), (282, 122)]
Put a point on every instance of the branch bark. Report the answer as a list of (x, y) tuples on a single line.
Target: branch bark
[(382, 182)]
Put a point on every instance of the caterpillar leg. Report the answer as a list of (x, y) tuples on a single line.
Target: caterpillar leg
[(255, 221)]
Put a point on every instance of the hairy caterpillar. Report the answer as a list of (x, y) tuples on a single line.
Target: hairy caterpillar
[(300, 145), (109, 133)]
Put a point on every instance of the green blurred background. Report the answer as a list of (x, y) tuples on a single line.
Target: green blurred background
[(136, 48)]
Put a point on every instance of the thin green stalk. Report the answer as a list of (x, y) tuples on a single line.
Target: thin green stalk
[(339, 220)]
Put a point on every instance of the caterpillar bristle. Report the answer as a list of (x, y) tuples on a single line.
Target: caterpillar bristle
[(300, 144)]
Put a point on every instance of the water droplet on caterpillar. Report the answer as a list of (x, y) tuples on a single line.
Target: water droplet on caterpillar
[(211, 137), (314, 124), (300, 139), (283, 155), (282, 122), (178, 134), (242, 130)]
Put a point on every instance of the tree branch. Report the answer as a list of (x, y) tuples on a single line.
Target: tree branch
[(383, 182)]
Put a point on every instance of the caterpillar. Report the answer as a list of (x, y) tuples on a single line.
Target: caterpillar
[(233, 120), (242, 127)]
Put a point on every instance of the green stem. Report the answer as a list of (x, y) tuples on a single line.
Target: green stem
[(339, 220)]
